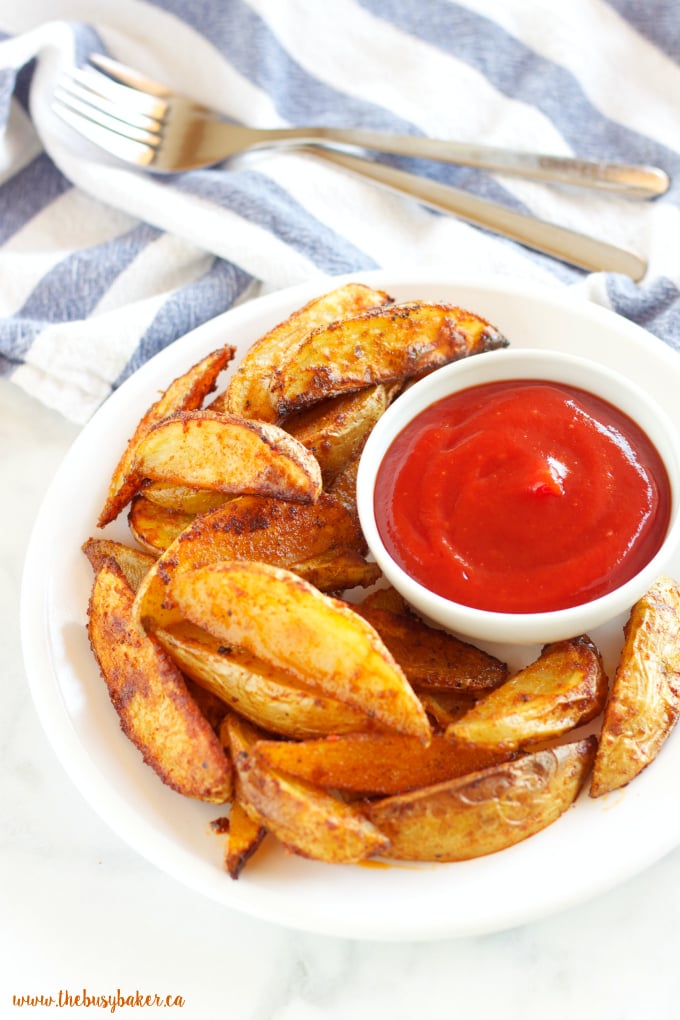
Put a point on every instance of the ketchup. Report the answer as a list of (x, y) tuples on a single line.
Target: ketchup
[(522, 497)]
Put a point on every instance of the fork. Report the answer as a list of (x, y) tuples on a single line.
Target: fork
[(147, 125), (176, 134)]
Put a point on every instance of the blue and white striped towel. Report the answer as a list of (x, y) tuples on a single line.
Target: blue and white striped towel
[(102, 267)]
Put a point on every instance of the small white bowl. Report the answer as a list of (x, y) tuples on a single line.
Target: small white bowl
[(508, 364)]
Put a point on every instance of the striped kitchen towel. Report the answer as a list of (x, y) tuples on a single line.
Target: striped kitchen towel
[(101, 266)]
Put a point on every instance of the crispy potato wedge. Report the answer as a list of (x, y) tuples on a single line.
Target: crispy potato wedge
[(248, 391), (344, 487), (186, 393), (431, 658), (228, 454), (308, 821), (445, 707), (245, 836), (134, 563), (155, 527), (270, 698), (644, 701), (565, 687), (212, 707), (323, 536), (288, 623), (487, 811), (374, 763), (379, 346), (338, 571), (336, 430), (385, 598), (151, 698), (185, 498)]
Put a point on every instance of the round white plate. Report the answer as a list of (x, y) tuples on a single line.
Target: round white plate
[(594, 846)]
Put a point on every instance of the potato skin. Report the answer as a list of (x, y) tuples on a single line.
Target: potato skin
[(308, 821), (249, 390), (487, 811), (644, 702), (383, 345), (565, 687), (155, 709), (280, 618), (185, 393)]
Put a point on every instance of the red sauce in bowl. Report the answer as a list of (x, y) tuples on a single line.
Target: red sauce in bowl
[(522, 497)]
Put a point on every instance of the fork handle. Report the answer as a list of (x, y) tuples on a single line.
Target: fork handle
[(559, 242), (628, 180)]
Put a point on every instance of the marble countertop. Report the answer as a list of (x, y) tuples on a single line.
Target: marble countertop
[(82, 914)]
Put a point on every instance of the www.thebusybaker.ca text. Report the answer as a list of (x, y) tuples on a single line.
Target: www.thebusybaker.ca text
[(112, 1002)]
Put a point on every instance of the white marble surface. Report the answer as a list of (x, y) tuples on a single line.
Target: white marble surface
[(81, 911)]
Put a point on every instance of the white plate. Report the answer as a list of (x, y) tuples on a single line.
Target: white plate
[(593, 847)]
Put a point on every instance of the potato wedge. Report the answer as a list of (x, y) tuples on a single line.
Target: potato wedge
[(155, 527), (134, 563), (248, 392), (268, 697), (282, 619), (445, 707), (385, 597), (322, 535), (487, 811), (565, 687), (644, 701), (186, 393), (308, 821), (374, 763), (431, 658), (245, 836), (151, 698), (185, 498), (344, 487), (379, 346), (228, 454), (336, 430), (338, 571)]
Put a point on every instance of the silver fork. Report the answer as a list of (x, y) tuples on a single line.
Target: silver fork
[(145, 124), (175, 134)]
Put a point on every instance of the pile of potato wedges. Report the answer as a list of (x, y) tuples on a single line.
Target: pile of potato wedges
[(340, 724)]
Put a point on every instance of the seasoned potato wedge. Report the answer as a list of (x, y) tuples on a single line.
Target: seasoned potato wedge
[(431, 658), (186, 393), (269, 697), (344, 487), (445, 707), (155, 527), (248, 392), (374, 763), (379, 346), (335, 430), (185, 498), (134, 563), (565, 687), (487, 811), (322, 535), (338, 571), (245, 836), (307, 820), (227, 454), (151, 698), (644, 702), (288, 623), (385, 597)]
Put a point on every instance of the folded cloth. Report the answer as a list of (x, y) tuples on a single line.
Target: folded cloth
[(103, 266)]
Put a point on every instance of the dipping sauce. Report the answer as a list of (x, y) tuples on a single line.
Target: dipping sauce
[(522, 496)]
